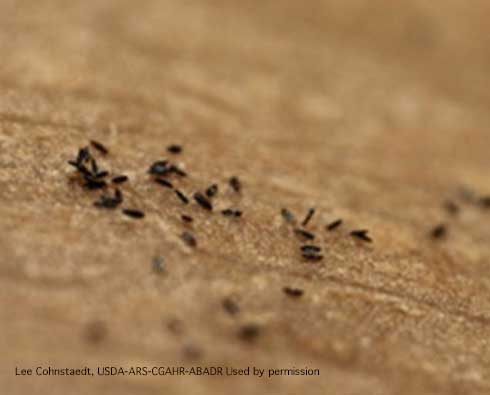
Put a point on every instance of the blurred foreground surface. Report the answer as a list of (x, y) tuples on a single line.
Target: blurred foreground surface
[(370, 111)]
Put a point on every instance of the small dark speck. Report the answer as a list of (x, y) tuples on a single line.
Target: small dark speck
[(249, 332), (110, 202), (304, 234), (231, 213), (288, 216), (310, 248), (308, 217), (175, 326), (451, 207), (95, 332), (159, 168), (94, 166), (102, 174), (73, 163), (99, 147), (120, 179), (192, 352), (164, 183), (334, 225), (158, 265), (439, 231), (133, 213), (294, 292), (312, 256), (485, 202), (182, 197), (177, 170), (236, 184), (361, 234), (189, 239), (83, 155), (186, 218), (82, 169), (212, 191), (118, 195), (203, 201), (174, 149), (94, 184), (230, 306)]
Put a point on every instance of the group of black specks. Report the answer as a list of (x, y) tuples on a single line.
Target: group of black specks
[(311, 252), (93, 178), (453, 209), (161, 172)]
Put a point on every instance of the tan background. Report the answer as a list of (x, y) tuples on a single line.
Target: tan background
[(373, 111)]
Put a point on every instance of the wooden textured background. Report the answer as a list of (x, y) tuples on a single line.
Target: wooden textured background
[(370, 110)]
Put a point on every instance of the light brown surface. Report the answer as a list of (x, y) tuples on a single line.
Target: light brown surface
[(373, 111)]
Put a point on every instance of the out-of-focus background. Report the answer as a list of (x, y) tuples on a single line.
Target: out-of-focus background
[(374, 111)]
